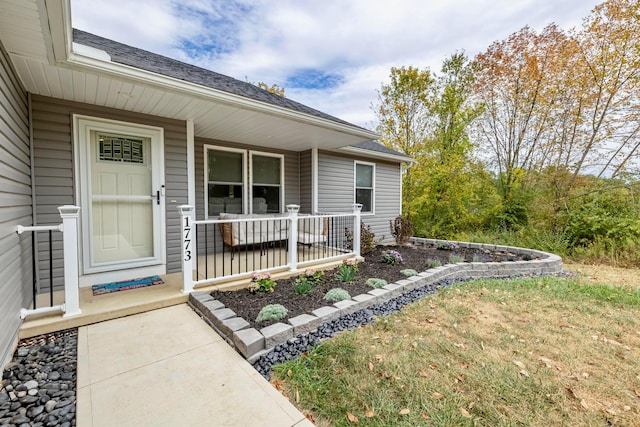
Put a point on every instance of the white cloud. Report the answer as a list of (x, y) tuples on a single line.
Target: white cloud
[(359, 40)]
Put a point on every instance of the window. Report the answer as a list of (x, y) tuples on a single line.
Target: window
[(364, 185), (226, 188), (266, 183), (225, 180)]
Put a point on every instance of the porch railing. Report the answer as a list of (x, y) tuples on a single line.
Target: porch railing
[(69, 230), (235, 246)]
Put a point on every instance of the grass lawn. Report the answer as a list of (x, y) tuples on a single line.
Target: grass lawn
[(535, 352)]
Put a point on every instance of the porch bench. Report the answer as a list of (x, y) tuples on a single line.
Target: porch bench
[(274, 229)]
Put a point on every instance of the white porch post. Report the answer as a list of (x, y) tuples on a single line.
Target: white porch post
[(69, 215), (293, 235), (357, 207), (188, 247)]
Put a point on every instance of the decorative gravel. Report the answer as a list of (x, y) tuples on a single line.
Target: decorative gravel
[(39, 384)]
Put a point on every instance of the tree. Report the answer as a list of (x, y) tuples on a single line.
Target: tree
[(404, 117), (274, 88)]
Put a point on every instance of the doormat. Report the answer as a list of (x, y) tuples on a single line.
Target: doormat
[(125, 285)]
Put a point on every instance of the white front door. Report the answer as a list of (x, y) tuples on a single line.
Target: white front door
[(121, 193)]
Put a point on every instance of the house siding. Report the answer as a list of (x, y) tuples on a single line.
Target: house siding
[(15, 207), (336, 190), (54, 172), (306, 181)]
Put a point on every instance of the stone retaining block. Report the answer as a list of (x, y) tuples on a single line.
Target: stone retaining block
[(276, 334), (304, 324)]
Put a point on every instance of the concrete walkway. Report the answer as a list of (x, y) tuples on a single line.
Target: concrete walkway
[(166, 367)]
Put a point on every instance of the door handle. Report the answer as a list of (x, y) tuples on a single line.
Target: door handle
[(157, 196)]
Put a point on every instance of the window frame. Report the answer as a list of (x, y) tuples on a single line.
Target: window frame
[(372, 188), (251, 183), (247, 176), (208, 147)]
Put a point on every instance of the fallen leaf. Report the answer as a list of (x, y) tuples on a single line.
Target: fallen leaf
[(379, 357), (414, 344), (310, 418), (423, 373), (425, 416), (352, 417), (524, 373), (609, 411), (465, 365), (471, 405), (460, 377), (405, 411), (432, 366), (547, 362), (459, 345), (297, 396), (583, 403), (637, 392), (338, 370), (465, 413), (368, 414), (289, 372), (519, 364), (370, 366), (437, 395), (571, 393)]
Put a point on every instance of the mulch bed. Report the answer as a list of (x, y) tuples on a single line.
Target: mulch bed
[(247, 304)]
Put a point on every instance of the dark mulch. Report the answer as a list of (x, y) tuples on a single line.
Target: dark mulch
[(247, 304)]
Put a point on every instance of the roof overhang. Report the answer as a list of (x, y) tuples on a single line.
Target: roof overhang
[(48, 63), (377, 154)]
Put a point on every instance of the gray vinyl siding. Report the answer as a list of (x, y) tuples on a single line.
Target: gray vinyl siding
[(336, 190), (15, 207), (54, 172), (306, 180)]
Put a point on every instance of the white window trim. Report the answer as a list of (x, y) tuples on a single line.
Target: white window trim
[(250, 167), (206, 175), (373, 188)]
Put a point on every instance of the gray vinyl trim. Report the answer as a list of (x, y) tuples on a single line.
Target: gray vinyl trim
[(336, 190), (15, 206), (54, 177)]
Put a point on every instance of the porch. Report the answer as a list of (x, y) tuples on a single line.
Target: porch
[(208, 264)]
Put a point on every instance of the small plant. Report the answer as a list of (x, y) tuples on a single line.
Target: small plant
[(271, 312), (367, 239), (401, 229), (376, 283), (478, 258), (408, 272), (433, 263), (455, 259), (337, 294), (348, 270), (447, 246), (262, 282), (308, 280), (392, 257), (527, 257)]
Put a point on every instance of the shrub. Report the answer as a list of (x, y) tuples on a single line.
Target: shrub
[(262, 282), (392, 257), (308, 280), (337, 294), (367, 239), (455, 259), (478, 258), (408, 272), (376, 283), (446, 246), (433, 263), (271, 312), (347, 270), (401, 229)]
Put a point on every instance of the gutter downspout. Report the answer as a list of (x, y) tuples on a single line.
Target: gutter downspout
[(34, 215)]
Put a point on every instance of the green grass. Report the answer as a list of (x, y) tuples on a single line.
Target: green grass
[(544, 351)]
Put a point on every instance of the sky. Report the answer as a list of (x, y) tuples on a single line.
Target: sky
[(332, 55)]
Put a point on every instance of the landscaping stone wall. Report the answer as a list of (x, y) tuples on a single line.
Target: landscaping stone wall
[(252, 343)]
